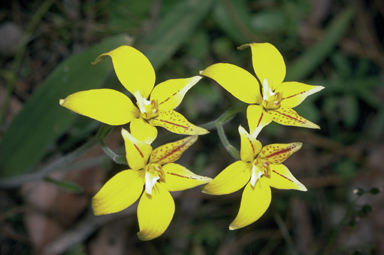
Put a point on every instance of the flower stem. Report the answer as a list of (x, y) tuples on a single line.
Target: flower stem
[(59, 163), (101, 134), (224, 118)]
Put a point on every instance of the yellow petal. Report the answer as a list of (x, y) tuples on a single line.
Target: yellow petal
[(277, 153), (295, 92), (176, 123), (282, 178), (171, 152), (132, 68), (230, 180), (254, 202), (155, 212), (289, 117), (257, 119), (239, 82), (121, 191), (143, 131), (179, 178), (171, 92), (137, 152), (105, 105), (267, 63), (250, 147)]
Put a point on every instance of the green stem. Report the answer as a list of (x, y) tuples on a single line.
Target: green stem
[(227, 145), (58, 164), (101, 134), (224, 118)]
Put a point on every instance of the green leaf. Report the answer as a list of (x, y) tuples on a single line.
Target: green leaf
[(314, 56), (234, 18), (42, 119), (351, 110), (69, 186), (176, 27), (269, 21)]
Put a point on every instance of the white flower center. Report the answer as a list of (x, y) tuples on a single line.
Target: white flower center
[(141, 101), (153, 173), (256, 174), (267, 92)]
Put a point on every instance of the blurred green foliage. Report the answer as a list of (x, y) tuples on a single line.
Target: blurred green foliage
[(183, 37)]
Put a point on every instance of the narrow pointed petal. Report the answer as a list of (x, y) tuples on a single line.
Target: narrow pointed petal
[(155, 212), (143, 131), (278, 153), (230, 180), (171, 152), (289, 117), (119, 192), (132, 68), (250, 147), (171, 92), (282, 178), (295, 92), (176, 123), (257, 119), (137, 152), (239, 82), (267, 63), (105, 105), (179, 178), (254, 202)]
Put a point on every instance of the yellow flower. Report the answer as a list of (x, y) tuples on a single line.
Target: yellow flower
[(269, 97), (259, 169), (156, 170), (137, 75)]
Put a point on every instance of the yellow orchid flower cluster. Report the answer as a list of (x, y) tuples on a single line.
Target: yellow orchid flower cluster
[(153, 173)]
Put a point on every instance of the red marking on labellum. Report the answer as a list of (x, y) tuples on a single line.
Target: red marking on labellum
[(282, 151), (285, 177), (175, 149), (137, 148), (290, 117), (168, 122)]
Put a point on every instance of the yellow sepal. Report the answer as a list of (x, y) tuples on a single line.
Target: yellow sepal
[(237, 81), (170, 93), (179, 178), (231, 179), (254, 202), (258, 118), (155, 212), (267, 63), (137, 152), (282, 178), (132, 68), (250, 147), (104, 105), (121, 191)]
